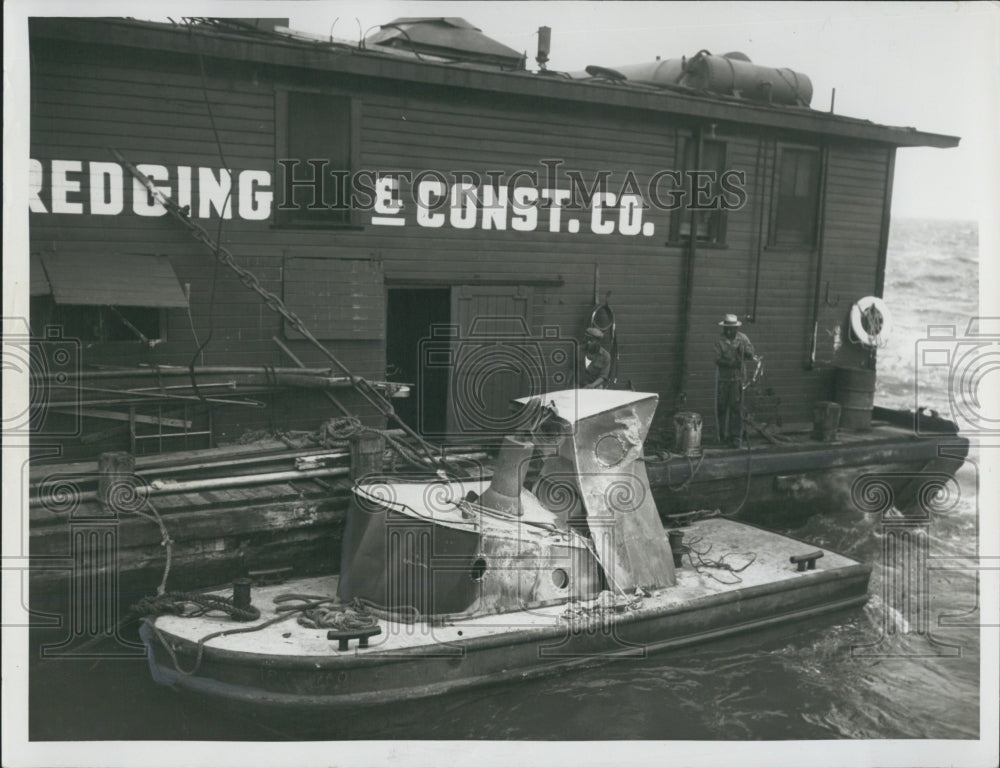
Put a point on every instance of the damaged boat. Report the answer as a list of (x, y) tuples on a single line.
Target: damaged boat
[(557, 561)]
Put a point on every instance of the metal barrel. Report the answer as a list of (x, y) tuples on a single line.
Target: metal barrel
[(855, 388)]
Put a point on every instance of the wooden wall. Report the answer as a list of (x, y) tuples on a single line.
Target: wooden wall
[(153, 109)]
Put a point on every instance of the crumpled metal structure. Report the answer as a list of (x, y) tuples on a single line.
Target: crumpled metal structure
[(601, 450)]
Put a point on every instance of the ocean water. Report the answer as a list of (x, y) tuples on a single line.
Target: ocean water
[(796, 682)]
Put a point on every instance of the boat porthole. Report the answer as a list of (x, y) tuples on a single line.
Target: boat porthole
[(560, 578), (459, 633), (478, 569)]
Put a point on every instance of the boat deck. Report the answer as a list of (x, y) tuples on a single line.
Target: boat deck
[(717, 538)]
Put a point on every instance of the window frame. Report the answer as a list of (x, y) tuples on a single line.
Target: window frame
[(46, 310), (284, 219), (719, 215), (772, 235)]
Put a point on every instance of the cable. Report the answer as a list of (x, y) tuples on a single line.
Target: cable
[(692, 471), (199, 352), (746, 491)]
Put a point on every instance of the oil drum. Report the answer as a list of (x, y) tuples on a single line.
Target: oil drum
[(855, 388)]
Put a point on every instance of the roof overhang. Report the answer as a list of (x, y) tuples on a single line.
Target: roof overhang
[(326, 57), (99, 279)]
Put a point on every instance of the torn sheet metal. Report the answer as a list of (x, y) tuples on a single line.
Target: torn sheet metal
[(606, 430)]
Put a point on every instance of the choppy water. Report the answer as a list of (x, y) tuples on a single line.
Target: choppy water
[(796, 682)]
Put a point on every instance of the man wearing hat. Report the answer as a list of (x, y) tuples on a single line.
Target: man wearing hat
[(597, 361), (731, 350)]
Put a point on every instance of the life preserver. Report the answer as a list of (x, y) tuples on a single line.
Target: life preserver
[(871, 322)]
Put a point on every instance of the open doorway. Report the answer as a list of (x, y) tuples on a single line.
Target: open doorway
[(410, 313)]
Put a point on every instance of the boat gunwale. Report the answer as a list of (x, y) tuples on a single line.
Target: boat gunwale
[(262, 697)]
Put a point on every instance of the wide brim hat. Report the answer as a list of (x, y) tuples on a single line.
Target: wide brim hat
[(594, 333), (730, 321)]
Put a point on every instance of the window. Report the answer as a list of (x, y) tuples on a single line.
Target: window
[(710, 224), (315, 140), (97, 324), (796, 198), (103, 297)]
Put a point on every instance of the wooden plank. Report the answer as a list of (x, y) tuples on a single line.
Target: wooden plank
[(92, 413)]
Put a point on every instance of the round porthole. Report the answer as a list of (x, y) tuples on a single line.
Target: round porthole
[(611, 450), (478, 569), (560, 578)]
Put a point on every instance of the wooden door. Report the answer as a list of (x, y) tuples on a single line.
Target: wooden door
[(493, 358)]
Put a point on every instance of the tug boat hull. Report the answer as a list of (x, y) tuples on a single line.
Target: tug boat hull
[(293, 666)]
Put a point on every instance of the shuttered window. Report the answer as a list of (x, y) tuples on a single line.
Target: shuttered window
[(710, 224), (315, 154), (336, 298), (796, 197)]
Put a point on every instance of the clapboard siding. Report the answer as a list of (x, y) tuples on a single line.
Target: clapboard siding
[(153, 109)]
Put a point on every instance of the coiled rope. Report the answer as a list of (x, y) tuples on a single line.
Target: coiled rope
[(325, 612), (342, 428), (177, 603)]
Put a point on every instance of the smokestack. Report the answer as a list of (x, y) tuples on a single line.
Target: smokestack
[(544, 43)]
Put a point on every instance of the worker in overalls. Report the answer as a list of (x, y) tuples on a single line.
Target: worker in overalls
[(597, 361), (732, 349)]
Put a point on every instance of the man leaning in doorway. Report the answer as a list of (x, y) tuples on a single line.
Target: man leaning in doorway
[(731, 350), (597, 361)]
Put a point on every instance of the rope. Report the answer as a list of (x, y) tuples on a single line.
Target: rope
[(309, 602), (342, 428), (176, 603), (872, 321), (611, 329), (719, 564), (166, 541), (340, 618)]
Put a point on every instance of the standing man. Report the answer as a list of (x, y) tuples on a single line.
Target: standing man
[(597, 361), (731, 350)]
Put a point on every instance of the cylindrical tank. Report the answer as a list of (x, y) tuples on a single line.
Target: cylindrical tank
[(855, 391), (662, 72), (738, 76)]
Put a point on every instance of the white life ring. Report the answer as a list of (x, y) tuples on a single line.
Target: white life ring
[(871, 321)]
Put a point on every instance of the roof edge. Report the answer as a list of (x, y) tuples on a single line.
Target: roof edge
[(284, 51)]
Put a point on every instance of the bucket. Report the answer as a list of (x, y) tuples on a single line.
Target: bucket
[(826, 419), (687, 433), (855, 388)]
